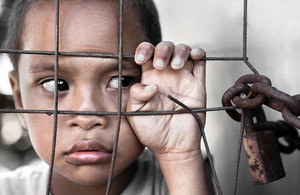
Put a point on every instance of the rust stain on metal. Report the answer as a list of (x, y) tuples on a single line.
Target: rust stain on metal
[(263, 157)]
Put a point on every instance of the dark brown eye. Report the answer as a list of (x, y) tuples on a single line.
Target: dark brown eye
[(114, 82), (126, 81), (49, 85)]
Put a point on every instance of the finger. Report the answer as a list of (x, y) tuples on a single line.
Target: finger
[(139, 95), (180, 56), (199, 71), (143, 52), (197, 53), (162, 54)]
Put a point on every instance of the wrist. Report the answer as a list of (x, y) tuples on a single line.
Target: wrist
[(184, 172), (179, 156)]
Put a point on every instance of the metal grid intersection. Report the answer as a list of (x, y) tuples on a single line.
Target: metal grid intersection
[(120, 56)]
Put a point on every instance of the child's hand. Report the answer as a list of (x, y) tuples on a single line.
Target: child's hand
[(170, 72)]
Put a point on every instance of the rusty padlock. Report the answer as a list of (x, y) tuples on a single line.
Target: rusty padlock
[(262, 153)]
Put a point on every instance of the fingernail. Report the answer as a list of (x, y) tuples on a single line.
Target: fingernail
[(149, 87), (140, 58), (177, 61), (159, 63)]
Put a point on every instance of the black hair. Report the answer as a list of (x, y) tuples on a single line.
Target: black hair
[(4, 18), (14, 27), (150, 20), (146, 8)]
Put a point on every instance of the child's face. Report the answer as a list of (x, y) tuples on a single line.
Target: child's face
[(86, 84)]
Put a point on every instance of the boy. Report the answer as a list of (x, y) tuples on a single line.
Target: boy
[(84, 143)]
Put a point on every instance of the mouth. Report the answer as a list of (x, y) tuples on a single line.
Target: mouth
[(88, 152)]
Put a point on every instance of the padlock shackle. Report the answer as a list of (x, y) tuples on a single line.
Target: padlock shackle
[(249, 125), (250, 114)]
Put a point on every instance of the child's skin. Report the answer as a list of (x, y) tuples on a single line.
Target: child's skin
[(89, 84)]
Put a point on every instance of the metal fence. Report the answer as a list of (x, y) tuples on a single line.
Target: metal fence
[(288, 105)]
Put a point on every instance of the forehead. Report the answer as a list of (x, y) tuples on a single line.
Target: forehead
[(85, 26)]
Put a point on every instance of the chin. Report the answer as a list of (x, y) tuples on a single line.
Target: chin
[(90, 180), (84, 175)]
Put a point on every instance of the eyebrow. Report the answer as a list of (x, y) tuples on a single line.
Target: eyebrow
[(128, 64), (43, 67)]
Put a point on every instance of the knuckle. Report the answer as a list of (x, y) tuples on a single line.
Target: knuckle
[(166, 45), (202, 51), (132, 90), (182, 46), (182, 50), (170, 43), (198, 52), (145, 46), (161, 53), (164, 50)]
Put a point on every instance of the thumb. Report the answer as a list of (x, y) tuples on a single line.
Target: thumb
[(139, 95)]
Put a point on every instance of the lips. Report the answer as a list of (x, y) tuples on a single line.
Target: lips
[(88, 152)]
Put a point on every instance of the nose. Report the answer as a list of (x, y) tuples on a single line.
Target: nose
[(87, 103), (87, 122)]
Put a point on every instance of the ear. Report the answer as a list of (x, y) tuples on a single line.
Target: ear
[(14, 83)]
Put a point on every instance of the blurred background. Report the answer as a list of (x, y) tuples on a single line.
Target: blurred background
[(216, 26)]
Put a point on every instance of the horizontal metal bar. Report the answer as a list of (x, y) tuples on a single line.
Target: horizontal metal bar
[(102, 55), (223, 58), (144, 113), (77, 54)]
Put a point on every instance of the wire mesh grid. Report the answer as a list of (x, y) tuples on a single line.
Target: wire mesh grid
[(120, 56)]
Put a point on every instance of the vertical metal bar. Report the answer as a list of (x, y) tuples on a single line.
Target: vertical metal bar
[(209, 156), (55, 111), (245, 20), (251, 67), (238, 153), (154, 176), (245, 38), (120, 57)]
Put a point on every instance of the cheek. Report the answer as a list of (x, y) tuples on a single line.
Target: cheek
[(33, 98), (111, 100), (40, 131), (129, 147)]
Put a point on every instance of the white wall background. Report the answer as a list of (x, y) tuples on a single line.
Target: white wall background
[(273, 48), (5, 67)]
